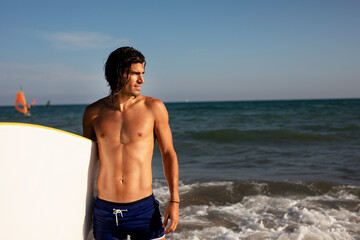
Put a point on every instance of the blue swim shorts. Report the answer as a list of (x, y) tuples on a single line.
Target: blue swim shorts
[(141, 220)]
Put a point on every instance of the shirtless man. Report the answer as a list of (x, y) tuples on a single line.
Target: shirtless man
[(125, 125)]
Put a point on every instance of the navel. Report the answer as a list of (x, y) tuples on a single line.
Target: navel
[(120, 179)]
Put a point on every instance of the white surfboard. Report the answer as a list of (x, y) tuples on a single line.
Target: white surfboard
[(47, 183)]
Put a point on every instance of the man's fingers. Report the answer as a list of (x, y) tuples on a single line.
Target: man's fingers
[(166, 220), (171, 228)]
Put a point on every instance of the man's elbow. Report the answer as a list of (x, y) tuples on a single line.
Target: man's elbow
[(170, 156)]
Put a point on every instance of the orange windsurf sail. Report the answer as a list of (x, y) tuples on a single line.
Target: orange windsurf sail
[(20, 102)]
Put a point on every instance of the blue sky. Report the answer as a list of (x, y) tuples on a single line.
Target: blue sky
[(195, 50)]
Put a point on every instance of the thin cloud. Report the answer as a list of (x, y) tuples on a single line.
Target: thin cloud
[(43, 81), (51, 78), (82, 40)]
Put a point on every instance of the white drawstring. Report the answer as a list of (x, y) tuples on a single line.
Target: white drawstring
[(116, 211)]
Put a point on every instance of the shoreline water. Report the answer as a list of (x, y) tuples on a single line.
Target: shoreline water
[(265, 210)]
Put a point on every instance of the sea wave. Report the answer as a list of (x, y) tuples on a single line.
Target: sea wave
[(265, 210)]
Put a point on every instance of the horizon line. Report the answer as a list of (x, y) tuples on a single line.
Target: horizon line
[(214, 101)]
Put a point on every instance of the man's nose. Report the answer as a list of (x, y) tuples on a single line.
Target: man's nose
[(141, 78)]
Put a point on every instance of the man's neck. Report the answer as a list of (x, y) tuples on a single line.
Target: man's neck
[(122, 102)]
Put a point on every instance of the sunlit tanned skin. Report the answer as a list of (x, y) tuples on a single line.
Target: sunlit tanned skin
[(125, 129)]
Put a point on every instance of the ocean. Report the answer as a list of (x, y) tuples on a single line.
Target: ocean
[(253, 169)]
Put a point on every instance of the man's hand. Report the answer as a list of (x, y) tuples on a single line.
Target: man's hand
[(172, 213)]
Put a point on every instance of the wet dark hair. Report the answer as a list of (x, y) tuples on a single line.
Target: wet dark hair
[(118, 64)]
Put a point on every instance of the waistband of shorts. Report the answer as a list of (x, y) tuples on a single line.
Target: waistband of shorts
[(127, 204)]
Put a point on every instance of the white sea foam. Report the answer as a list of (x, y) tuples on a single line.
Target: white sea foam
[(265, 217)]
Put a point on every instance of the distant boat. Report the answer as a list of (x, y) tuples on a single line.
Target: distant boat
[(20, 103)]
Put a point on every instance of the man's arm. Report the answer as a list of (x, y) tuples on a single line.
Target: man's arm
[(170, 163)]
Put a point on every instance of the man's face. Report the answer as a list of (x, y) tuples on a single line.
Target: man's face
[(136, 79)]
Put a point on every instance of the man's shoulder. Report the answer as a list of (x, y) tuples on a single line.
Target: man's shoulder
[(156, 107), (153, 103), (151, 100), (96, 106)]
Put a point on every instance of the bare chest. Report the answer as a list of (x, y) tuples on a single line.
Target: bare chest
[(124, 127)]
